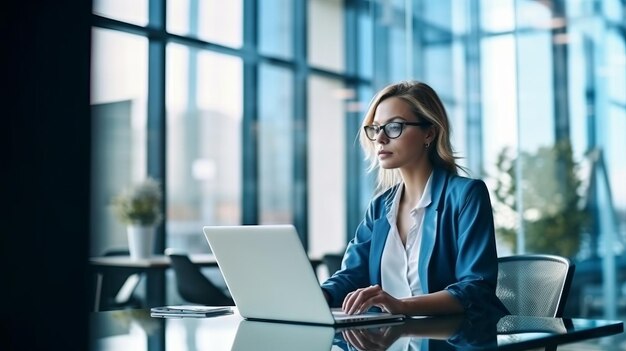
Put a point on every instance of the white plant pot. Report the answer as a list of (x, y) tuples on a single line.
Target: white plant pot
[(140, 241)]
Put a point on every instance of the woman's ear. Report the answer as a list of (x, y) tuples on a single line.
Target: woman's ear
[(431, 134)]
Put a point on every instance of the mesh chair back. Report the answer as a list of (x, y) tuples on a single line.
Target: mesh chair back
[(192, 285), (534, 285)]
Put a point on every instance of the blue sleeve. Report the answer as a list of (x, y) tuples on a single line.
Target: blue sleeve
[(476, 267), (354, 272)]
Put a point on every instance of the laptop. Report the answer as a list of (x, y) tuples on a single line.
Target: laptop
[(270, 277)]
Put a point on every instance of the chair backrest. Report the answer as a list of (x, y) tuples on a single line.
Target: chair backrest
[(193, 285), (534, 285), (332, 261)]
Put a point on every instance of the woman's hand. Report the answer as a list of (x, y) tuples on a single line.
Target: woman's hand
[(363, 299)]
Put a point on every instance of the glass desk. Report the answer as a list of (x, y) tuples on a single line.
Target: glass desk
[(136, 330)]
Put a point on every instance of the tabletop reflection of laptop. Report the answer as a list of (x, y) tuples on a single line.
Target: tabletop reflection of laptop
[(270, 277), (253, 335)]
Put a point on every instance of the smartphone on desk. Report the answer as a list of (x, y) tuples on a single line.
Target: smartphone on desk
[(197, 311)]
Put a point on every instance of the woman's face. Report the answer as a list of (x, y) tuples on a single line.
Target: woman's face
[(406, 151)]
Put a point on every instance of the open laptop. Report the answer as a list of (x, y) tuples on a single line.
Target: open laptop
[(270, 277)]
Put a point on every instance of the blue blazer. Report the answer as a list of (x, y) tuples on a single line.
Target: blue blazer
[(457, 254)]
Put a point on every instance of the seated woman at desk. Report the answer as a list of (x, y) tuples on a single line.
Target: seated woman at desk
[(426, 245)]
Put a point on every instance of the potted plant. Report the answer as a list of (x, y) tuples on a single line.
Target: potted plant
[(139, 207)]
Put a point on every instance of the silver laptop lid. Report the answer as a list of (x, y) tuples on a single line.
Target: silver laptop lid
[(268, 273)]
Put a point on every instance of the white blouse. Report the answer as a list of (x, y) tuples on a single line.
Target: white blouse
[(399, 275)]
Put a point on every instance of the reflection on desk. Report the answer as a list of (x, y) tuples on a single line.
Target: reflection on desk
[(136, 330)]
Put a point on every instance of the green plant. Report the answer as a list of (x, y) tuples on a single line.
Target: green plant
[(140, 204), (553, 217)]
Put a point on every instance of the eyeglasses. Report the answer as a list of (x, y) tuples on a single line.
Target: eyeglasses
[(392, 129)]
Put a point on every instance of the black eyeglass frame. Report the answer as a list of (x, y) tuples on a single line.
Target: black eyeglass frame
[(383, 127)]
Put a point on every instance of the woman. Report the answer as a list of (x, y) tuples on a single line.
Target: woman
[(426, 245)]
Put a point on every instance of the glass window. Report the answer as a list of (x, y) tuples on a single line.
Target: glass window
[(459, 16), (326, 44), (214, 21), (615, 67), (364, 52), (499, 118), (535, 15), (578, 9), (275, 150), (326, 166), (614, 158), (458, 135), (368, 180), (204, 112), (598, 121), (614, 10), (438, 13), (616, 142), (497, 15), (276, 28), (135, 11), (536, 90), (438, 66), (397, 58), (456, 107), (578, 73), (118, 101), (499, 98)]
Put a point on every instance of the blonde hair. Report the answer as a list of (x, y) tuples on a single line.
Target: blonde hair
[(426, 105)]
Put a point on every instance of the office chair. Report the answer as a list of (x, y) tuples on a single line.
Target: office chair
[(534, 285), (332, 261), (116, 290), (192, 285)]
